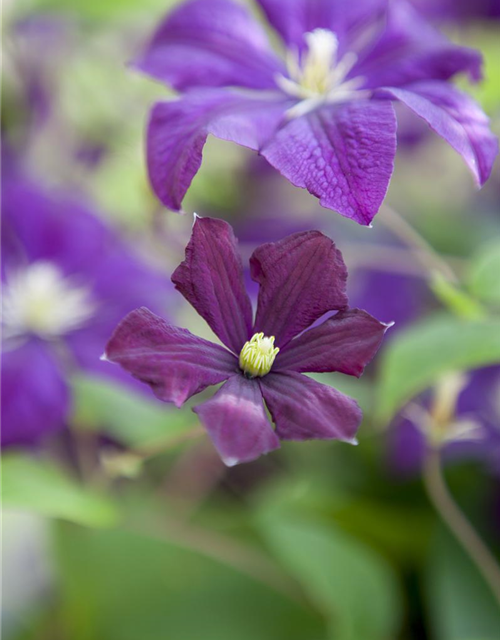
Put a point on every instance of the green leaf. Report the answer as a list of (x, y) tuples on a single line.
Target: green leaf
[(122, 585), (128, 416), (38, 486), (420, 355), (350, 583), (483, 278), (457, 301), (97, 10), (460, 603)]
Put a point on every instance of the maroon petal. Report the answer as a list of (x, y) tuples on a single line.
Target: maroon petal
[(174, 362), (178, 130), (301, 277), (304, 409), (343, 154), (237, 423), (211, 43), (345, 343), (211, 279)]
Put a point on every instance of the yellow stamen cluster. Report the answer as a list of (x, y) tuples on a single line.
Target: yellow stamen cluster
[(257, 355), (318, 76)]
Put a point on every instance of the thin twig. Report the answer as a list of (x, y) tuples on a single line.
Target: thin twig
[(458, 524), (426, 254), (243, 558)]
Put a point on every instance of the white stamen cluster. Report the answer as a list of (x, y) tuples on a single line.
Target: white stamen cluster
[(257, 355), (319, 77), (40, 299)]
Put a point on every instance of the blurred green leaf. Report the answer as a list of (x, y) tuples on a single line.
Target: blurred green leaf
[(418, 356), (483, 278), (460, 603), (98, 10), (128, 416), (352, 585), (29, 484), (120, 585), (457, 301)]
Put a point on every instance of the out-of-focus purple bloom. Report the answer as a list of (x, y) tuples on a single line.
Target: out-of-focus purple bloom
[(474, 430), (67, 280), (301, 278), (324, 118)]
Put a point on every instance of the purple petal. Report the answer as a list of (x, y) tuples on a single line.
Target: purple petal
[(342, 154), (237, 423), (304, 409), (211, 43), (39, 225), (175, 363), (301, 277), (178, 130), (455, 117), (409, 49), (211, 279), (293, 18), (345, 343), (35, 397)]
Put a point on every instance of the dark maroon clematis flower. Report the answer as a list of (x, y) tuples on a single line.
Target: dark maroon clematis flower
[(301, 278)]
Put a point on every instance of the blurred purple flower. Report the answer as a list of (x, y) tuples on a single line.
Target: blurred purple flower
[(324, 119), (301, 278), (477, 407), (67, 280)]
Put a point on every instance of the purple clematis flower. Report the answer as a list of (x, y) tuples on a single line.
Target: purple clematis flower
[(473, 432), (67, 279), (301, 278), (323, 117)]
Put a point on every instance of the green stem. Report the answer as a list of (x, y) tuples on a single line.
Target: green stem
[(424, 252), (458, 524)]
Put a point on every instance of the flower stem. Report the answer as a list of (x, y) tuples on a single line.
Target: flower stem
[(458, 524), (424, 252)]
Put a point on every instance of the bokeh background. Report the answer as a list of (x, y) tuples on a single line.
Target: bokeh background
[(120, 522)]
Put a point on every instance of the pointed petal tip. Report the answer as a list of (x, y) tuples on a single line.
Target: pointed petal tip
[(353, 441), (104, 358), (196, 217), (388, 325), (230, 461)]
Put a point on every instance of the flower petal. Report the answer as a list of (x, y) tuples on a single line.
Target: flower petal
[(211, 279), (293, 18), (409, 49), (345, 343), (301, 277), (211, 43), (178, 130), (304, 409), (455, 117), (35, 396), (175, 363), (237, 423), (342, 154)]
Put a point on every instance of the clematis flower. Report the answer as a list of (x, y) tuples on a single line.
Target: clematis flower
[(322, 115), (301, 278), (67, 279), (467, 407)]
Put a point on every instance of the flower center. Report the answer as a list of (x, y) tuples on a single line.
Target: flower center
[(40, 299), (257, 355), (318, 76)]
